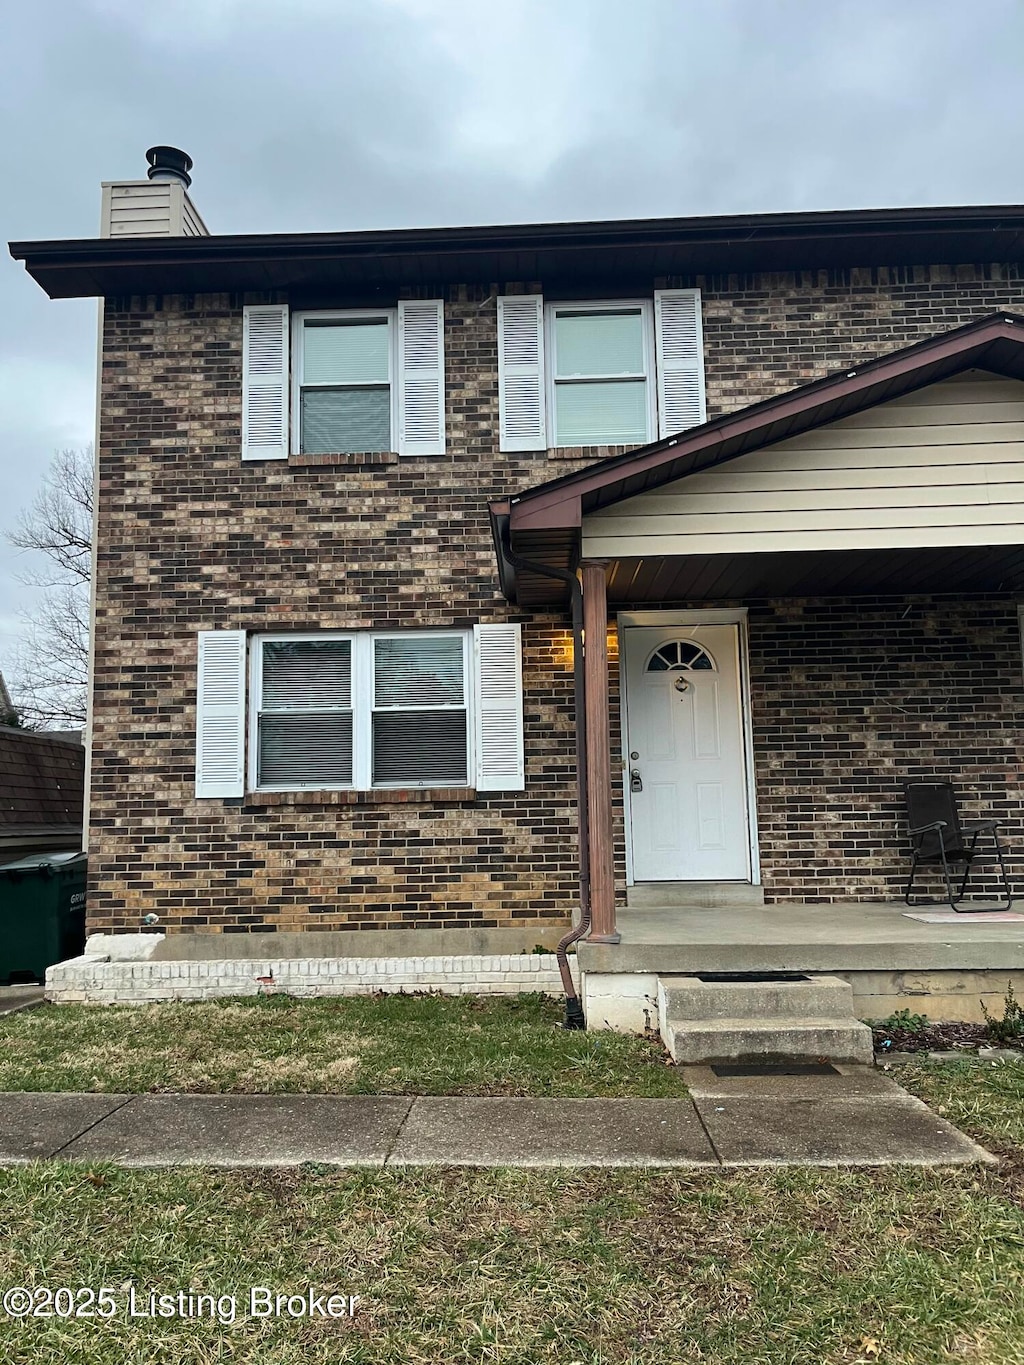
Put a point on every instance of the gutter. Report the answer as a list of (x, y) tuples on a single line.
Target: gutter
[(85, 267), (574, 1016), (612, 234)]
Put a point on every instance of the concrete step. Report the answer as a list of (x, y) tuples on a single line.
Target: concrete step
[(707, 1041), (695, 895), (815, 997)]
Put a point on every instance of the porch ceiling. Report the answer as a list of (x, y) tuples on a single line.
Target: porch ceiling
[(816, 573), (667, 579)]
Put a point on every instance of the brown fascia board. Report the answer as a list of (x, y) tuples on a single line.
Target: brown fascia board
[(560, 503), (97, 266)]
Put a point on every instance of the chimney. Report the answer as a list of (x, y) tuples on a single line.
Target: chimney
[(158, 206)]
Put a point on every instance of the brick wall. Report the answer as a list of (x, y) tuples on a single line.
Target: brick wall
[(851, 697), (764, 334), (193, 539)]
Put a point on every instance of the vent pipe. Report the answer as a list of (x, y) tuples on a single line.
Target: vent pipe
[(169, 163)]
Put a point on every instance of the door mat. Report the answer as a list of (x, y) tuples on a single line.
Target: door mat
[(954, 917)]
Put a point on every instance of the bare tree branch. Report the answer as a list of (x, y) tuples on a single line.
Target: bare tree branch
[(51, 667), (59, 522)]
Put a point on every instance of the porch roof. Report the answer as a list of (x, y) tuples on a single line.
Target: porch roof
[(543, 524)]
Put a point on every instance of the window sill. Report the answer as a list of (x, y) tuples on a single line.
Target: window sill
[(382, 796), (364, 459), (587, 452)]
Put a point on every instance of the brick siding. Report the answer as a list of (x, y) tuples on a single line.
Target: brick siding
[(851, 697), (191, 539)]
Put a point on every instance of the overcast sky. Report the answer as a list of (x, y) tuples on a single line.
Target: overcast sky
[(313, 115)]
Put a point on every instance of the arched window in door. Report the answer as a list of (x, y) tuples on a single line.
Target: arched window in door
[(679, 656)]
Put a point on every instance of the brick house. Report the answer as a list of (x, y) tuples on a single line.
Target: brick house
[(347, 482)]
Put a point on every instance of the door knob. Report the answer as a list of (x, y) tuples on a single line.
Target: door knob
[(635, 780)]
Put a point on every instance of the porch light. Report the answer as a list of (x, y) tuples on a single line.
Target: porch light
[(563, 652)]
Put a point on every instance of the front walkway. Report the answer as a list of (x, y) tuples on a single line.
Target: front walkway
[(854, 1117)]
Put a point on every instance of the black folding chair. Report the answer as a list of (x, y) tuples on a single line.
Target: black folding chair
[(938, 837)]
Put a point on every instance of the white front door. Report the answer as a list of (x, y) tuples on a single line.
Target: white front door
[(684, 753)]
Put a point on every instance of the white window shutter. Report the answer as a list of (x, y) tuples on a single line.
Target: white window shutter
[(680, 358), (521, 372), (421, 377), (220, 714), (265, 383), (498, 667)]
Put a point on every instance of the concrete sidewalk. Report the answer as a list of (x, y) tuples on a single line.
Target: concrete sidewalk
[(15, 998), (857, 1117)]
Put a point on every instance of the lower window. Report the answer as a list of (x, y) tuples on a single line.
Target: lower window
[(361, 710)]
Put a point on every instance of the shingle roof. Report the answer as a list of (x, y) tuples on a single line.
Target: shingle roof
[(42, 781)]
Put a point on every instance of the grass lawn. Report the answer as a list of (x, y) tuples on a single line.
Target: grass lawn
[(611, 1267), (985, 1099), (798, 1267), (356, 1045)]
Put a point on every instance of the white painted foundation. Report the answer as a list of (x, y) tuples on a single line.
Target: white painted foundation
[(624, 1001), (111, 972)]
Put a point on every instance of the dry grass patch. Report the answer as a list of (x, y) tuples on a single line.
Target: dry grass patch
[(179, 1047), (237, 1072)]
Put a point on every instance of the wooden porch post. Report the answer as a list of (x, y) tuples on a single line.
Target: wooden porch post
[(599, 757)]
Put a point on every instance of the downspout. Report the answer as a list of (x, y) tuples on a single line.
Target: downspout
[(574, 1017)]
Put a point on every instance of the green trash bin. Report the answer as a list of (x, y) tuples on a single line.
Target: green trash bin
[(42, 914)]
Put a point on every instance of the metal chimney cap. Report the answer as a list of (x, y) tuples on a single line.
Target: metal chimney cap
[(169, 163)]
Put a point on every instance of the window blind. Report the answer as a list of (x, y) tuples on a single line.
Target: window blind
[(419, 723), (305, 721)]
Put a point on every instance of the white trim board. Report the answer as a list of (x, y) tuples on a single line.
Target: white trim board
[(703, 616)]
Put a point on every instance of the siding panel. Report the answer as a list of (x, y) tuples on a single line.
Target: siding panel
[(873, 480)]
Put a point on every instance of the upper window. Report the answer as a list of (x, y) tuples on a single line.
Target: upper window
[(362, 711), (600, 373), (620, 372), (343, 382), (357, 382)]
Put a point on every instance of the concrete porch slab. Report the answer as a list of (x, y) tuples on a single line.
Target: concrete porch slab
[(804, 937), (246, 1130), (762, 1130), (537, 1132), (37, 1125)]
